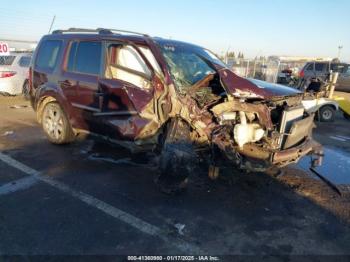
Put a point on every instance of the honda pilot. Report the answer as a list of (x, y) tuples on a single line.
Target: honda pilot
[(176, 98)]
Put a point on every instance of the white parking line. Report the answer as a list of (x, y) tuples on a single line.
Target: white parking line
[(121, 215), (17, 185)]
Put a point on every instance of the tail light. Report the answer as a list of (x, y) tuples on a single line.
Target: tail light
[(301, 74), (5, 74)]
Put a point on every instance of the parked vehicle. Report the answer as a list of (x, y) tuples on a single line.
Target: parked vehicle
[(14, 73), (174, 97), (313, 73), (285, 76)]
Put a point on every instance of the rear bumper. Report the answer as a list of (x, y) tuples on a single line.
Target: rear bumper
[(8, 86)]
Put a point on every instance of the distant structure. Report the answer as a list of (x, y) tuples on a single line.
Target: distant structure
[(298, 58)]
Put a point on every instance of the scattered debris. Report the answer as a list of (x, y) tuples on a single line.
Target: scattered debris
[(8, 133), (180, 228), (337, 138), (18, 106)]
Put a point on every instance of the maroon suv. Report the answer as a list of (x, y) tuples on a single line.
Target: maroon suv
[(152, 93)]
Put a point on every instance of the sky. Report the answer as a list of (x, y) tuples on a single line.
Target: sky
[(254, 27)]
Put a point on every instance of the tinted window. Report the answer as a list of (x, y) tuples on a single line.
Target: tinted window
[(48, 54), (7, 60), (24, 61), (310, 67), (71, 58), (86, 59), (319, 67)]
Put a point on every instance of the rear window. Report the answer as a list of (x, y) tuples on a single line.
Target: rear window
[(24, 61), (85, 57), (48, 54), (7, 60)]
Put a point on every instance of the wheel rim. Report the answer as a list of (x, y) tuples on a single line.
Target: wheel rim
[(53, 122), (327, 114)]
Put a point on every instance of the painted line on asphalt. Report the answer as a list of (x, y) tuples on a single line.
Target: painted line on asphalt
[(121, 215), (17, 185)]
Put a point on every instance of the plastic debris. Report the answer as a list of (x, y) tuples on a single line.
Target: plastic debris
[(8, 133), (180, 228)]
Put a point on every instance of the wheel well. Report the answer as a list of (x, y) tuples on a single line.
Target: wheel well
[(41, 105), (330, 105)]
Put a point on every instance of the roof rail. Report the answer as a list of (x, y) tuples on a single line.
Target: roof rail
[(77, 30), (122, 31), (98, 31)]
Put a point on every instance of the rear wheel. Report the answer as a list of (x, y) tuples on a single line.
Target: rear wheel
[(56, 125), (326, 114)]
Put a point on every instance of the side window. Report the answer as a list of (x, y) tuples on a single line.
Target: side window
[(310, 67), (319, 67), (128, 57), (24, 61), (126, 64), (48, 54), (85, 57)]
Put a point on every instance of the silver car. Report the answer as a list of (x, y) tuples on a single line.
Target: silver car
[(14, 73), (321, 70)]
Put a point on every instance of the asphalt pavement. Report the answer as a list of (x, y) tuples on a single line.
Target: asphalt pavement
[(94, 198)]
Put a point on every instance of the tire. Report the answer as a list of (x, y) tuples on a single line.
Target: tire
[(25, 90), (326, 114), (177, 158), (56, 124)]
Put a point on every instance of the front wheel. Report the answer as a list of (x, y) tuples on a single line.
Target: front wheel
[(177, 158), (56, 124)]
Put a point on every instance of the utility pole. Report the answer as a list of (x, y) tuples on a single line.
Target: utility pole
[(339, 49), (52, 22)]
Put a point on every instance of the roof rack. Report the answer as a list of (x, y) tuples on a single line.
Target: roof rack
[(122, 31), (98, 31)]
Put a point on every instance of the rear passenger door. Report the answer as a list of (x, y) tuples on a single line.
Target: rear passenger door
[(80, 81)]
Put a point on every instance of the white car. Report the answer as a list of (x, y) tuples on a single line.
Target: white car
[(14, 73)]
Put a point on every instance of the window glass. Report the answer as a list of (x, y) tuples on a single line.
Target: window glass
[(150, 57), (128, 57), (347, 71), (71, 57), (48, 54), (310, 67), (340, 68), (7, 60), (24, 61), (319, 67), (126, 64), (87, 58)]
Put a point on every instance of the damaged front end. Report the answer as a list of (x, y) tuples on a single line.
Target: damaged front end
[(262, 134), (254, 124)]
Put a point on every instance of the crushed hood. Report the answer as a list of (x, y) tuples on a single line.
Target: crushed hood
[(252, 88)]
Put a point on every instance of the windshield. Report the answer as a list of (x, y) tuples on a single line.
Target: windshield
[(188, 63)]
